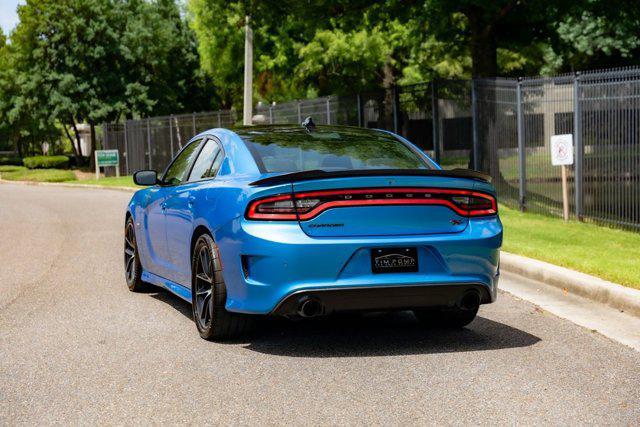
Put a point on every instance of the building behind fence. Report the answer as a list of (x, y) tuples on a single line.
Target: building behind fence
[(506, 122)]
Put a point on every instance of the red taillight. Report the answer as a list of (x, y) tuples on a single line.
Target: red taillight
[(308, 205), (279, 208)]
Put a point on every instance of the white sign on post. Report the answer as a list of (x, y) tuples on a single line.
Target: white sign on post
[(562, 150), (562, 155)]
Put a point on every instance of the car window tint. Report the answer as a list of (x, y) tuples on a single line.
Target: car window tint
[(178, 170), (202, 166)]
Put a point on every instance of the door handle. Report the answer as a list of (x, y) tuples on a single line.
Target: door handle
[(191, 201)]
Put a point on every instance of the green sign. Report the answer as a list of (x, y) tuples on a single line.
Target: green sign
[(107, 158)]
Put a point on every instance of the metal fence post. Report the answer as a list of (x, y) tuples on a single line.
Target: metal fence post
[(577, 140), (149, 141), (193, 121), (435, 121), (171, 133), (270, 114), (126, 148), (105, 136), (474, 124), (521, 147), (299, 113), (359, 105)]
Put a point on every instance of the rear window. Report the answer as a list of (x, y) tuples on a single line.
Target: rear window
[(328, 149)]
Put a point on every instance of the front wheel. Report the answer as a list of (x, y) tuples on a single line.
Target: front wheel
[(446, 318), (209, 295)]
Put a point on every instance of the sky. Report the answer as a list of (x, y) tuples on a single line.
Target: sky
[(8, 14)]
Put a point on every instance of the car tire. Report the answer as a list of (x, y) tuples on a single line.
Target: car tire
[(132, 266), (453, 318), (209, 295)]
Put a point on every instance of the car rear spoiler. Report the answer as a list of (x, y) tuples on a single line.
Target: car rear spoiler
[(320, 174)]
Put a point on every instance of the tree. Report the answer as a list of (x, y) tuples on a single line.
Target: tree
[(99, 60), (595, 36), (24, 119)]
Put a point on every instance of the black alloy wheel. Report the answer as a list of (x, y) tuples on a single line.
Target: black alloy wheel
[(209, 295)]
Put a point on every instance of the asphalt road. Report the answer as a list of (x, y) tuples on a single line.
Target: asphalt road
[(77, 347)]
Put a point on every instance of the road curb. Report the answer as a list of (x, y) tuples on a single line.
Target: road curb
[(69, 185), (591, 287)]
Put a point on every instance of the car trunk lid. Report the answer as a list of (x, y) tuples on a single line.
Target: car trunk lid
[(381, 205)]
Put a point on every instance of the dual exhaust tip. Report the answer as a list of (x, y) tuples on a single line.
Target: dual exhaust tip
[(312, 307)]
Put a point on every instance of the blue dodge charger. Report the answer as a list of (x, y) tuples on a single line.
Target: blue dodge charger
[(305, 221)]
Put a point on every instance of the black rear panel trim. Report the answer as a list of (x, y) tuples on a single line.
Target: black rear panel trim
[(381, 298), (316, 174)]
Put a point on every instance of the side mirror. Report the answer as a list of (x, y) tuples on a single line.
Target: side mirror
[(145, 177)]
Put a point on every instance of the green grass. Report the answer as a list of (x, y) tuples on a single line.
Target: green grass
[(112, 181), (10, 168), (20, 173), (600, 251)]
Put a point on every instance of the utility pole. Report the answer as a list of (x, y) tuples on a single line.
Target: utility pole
[(248, 73)]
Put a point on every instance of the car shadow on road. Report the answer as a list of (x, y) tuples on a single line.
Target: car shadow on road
[(374, 334), (380, 334)]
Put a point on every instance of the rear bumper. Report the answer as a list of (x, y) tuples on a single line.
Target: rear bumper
[(381, 298), (267, 266)]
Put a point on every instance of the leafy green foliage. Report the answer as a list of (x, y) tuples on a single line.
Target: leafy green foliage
[(10, 159), (594, 38), (94, 61), (46, 162)]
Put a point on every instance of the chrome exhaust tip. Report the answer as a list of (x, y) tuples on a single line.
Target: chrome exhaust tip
[(309, 307)]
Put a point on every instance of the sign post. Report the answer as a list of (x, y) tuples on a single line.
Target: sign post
[(562, 155), (106, 158)]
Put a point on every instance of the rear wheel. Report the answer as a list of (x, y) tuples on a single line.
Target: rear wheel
[(446, 318), (132, 266), (209, 295)]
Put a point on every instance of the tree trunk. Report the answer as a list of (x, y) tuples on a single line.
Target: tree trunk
[(73, 144), (388, 83), (484, 57), (78, 141), (92, 156), (19, 147), (177, 125)]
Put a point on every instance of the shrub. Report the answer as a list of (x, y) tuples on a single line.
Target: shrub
[(10, 159), (46, 162)]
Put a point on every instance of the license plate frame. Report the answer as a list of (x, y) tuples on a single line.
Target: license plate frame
[(394, 260)]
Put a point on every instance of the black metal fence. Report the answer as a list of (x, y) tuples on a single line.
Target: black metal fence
[(502, 125)]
